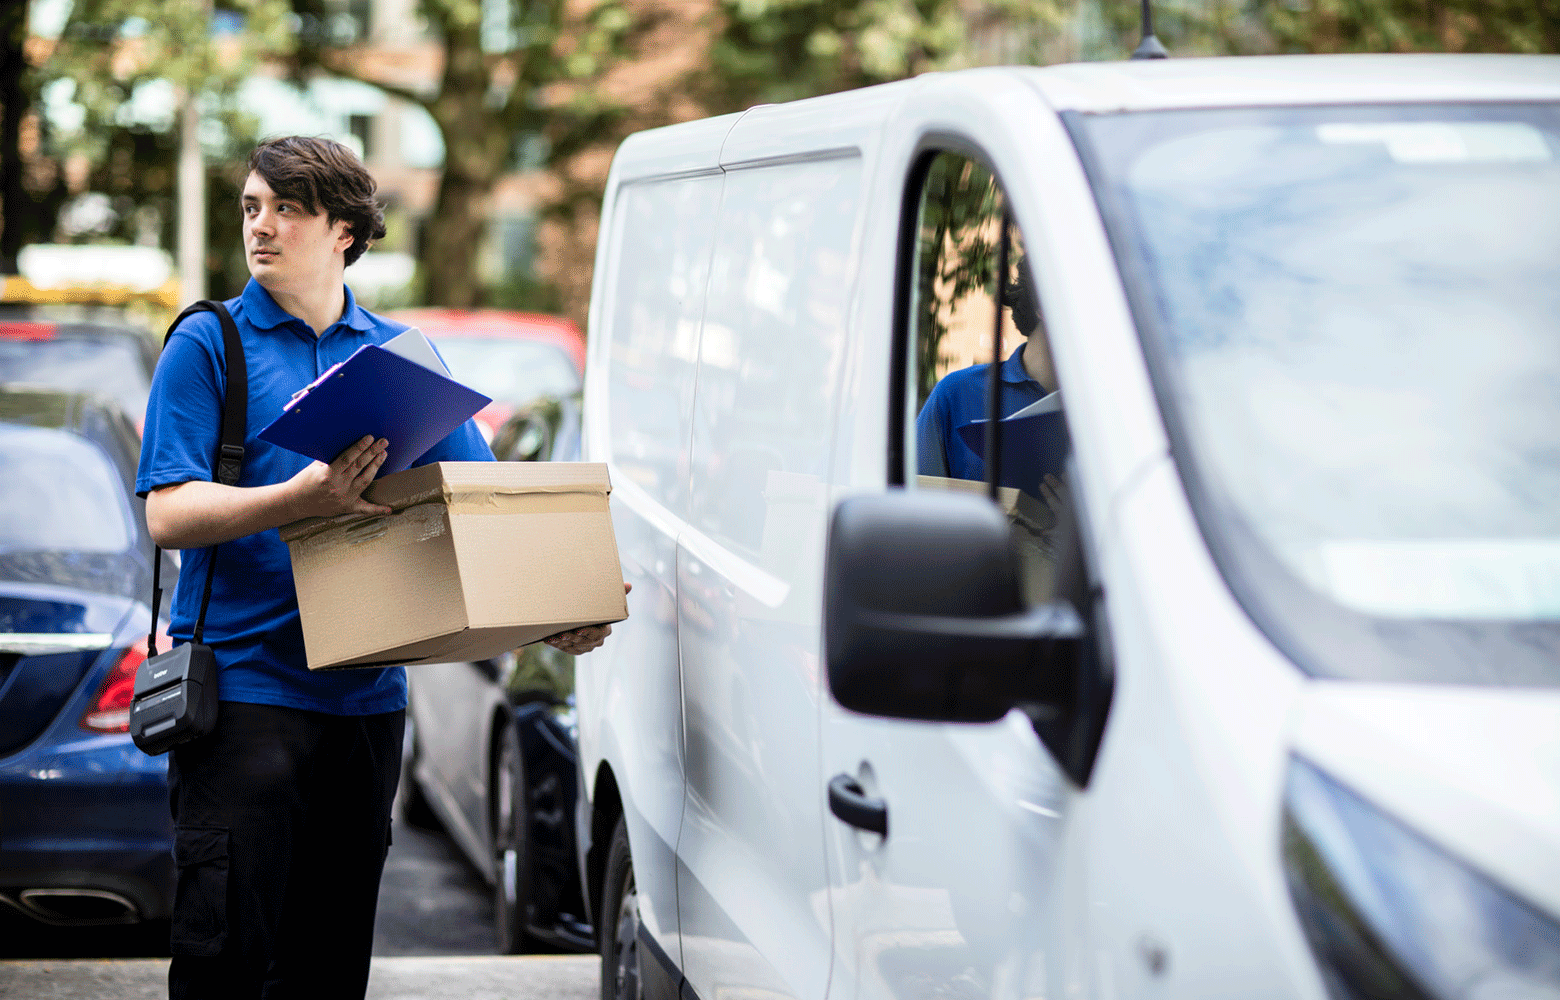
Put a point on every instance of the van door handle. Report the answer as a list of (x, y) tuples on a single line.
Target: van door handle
[(849, 802)]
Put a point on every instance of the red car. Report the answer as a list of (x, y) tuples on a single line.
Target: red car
[(513, 357)]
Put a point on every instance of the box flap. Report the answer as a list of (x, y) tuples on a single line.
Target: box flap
[(444, 481)]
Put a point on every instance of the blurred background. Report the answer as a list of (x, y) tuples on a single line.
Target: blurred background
[(490, 124)]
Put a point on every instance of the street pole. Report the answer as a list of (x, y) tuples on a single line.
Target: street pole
[(192, 203)]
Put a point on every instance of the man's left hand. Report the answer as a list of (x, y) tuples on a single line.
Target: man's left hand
[(582, 640)]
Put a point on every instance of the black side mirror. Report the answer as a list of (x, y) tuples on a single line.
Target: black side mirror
[(924, 616)]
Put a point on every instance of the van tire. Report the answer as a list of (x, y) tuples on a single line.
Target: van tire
[(511, 846), (620, 959)]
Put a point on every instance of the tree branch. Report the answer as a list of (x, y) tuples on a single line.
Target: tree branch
[(335, 66)]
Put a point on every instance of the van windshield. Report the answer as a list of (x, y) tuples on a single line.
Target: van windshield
[(1353, 317)]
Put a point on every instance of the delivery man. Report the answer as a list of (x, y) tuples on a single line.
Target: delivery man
[(282, 814)]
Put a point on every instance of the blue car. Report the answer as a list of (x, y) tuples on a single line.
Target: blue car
[(85, 833)]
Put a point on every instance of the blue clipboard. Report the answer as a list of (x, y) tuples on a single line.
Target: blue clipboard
[(1034, 443), (375, 392)]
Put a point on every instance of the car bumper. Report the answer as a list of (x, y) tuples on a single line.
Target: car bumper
[(85, 833)]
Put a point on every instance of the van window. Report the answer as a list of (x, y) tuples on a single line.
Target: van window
[(771, 355), (959, 299), (659, 290)]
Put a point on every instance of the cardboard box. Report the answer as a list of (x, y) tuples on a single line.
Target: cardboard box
[(478, 558)]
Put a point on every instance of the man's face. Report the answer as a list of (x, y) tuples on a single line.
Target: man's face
[(287, 249)]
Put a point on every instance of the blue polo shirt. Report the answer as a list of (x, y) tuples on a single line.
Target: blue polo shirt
[(959, 400), (252, 623)]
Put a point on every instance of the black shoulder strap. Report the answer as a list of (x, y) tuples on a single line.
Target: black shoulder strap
[(230, 448), (235, 409)]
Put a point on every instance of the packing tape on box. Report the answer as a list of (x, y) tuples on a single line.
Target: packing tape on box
[(427, 519), (527, 502)]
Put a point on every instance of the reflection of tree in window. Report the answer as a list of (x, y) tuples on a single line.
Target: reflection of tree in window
[(961, 208)]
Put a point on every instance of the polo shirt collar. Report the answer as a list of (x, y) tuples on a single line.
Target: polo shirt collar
[(264, 314), (1013, 368), (260, 309), (354, 316)]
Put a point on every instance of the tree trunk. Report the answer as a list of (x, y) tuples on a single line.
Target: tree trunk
[(13, 33), (477, 140), (452, 237)]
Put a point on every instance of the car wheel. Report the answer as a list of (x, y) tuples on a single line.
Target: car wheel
[(511, 846), (620, 978), (416, 810)]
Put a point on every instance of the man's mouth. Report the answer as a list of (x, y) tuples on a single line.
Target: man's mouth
[(265, 252)]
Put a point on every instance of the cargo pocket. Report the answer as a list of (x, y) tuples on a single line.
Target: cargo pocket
[(200, 906)]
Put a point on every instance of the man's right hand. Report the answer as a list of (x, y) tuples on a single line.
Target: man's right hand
[(322, 490)]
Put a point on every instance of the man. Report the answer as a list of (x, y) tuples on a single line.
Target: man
[(951, 427), (282, 814)]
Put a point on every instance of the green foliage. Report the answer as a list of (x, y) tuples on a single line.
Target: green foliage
[(109, 47), (779, 50), (1520, 26), (124, 65), (1253, 27), (512, 68)]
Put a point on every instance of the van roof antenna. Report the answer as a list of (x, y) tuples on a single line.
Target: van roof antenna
[(1150, 47)]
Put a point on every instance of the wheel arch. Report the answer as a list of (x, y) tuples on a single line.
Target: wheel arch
[(606, 809), (498, 723)]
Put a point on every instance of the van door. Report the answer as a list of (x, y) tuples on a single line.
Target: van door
[(958, 899), (630, 687), (751, 884)]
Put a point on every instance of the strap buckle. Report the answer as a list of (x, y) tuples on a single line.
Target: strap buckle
[(229, 463)]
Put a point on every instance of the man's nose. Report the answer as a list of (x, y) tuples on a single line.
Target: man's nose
[(262, 221)]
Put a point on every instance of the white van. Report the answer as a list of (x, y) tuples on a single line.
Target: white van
[(1234, 673)]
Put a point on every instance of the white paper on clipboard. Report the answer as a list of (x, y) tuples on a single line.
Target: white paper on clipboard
[(414, 346)]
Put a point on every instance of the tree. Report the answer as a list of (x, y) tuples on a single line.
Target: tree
[(125, 65), (31, 189), (1520, 26), (780, 50), (504, 80), (13, 104)]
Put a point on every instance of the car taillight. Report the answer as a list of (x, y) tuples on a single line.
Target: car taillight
[(25, 330), (110, 709)]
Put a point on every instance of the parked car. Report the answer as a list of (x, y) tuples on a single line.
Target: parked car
[(490, 752), (490, 758), (546, 429), (511, 357), (88, 351), (1233, 673), (85, 833)]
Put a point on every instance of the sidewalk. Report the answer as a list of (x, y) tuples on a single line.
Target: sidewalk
[(483, 977)]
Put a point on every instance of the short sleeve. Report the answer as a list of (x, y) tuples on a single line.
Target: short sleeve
[(184, 409), (931, 430), (464, 444)]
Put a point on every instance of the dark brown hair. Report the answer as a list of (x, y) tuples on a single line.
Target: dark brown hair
[(323, 174)]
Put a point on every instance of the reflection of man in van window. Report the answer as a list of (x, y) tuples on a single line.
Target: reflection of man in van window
[(951, 428)]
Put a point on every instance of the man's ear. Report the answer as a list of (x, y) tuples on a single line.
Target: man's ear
[(344, 237)]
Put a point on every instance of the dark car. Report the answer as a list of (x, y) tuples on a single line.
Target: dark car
[(491, 749), (491, 758), (86, 350), (85, 834)]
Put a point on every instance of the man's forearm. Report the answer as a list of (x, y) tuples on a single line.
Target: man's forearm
[(195, 514)]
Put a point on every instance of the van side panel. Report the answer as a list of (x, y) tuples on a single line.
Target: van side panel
[(658, 295), (753, 887), (662, 231)]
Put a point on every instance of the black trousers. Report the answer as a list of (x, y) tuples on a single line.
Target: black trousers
[(281, 826)]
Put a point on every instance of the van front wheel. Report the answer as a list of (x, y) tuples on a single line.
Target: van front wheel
[(620, 924)]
